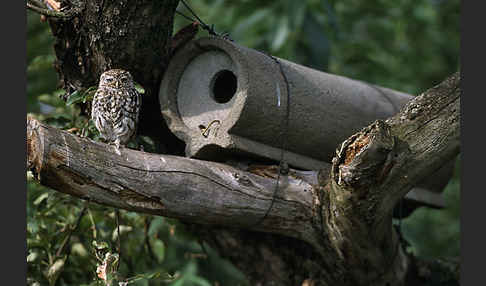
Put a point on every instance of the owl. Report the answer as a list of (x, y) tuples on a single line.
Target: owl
[(115, 108)]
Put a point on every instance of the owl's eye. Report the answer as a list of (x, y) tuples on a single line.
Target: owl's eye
[(109, 79)]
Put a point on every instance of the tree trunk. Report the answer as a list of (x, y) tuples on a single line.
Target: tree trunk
[(131, 35), (337, 232)]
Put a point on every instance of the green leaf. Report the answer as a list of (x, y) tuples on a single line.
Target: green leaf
[(89, 93), (198, 280), (32, 256), (59, 121), (282, 34), (81, 95), (32, 226), (156, 225), (297, 13), (41, 62), (79, 249), (318, 44), (123, 229), (159, 250), (99, 244), (163, 276), (53, 98), (179, 282), (139, 88), (55, 270), (250, 21), (75, 97), (41, 198)]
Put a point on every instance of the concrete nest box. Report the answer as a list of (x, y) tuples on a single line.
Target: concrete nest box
[(225, 100), (222, 98)]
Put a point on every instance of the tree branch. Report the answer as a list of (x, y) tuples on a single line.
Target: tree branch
[(375, 168), (56, 11), (384, 160), (192, 190)]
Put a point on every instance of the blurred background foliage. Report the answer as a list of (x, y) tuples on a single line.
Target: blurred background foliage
[(405, 45)]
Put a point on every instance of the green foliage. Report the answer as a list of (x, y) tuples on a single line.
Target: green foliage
[(41, 76), (81, 96), (405, 45), (154, 249), (435, 233)]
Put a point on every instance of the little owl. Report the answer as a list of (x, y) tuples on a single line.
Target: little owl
[(115, 107)]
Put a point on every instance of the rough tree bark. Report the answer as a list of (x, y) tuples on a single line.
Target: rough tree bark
[(132, 35), (336, 232)]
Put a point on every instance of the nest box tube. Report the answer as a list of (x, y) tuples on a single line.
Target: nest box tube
[(225, 100), (222, 98)]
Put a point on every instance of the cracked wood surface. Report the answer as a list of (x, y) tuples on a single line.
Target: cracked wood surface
[(192, 190), (374, 169)]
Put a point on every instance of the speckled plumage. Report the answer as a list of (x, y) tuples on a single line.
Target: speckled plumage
[(116, 106)]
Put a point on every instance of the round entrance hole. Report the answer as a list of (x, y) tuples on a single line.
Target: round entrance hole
[(223, 86)]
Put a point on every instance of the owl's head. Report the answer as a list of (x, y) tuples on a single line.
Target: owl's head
[(116, 78)]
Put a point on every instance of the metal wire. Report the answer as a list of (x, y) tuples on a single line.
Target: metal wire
[(282, 167), (206, 27)]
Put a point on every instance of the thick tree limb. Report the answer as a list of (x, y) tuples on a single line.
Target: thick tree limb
[(384, 160), (374, 169), (192, 190)]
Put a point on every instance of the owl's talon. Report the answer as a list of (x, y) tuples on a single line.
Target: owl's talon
[(117, 147)]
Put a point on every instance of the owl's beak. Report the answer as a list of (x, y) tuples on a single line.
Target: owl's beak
[(116, 84)]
